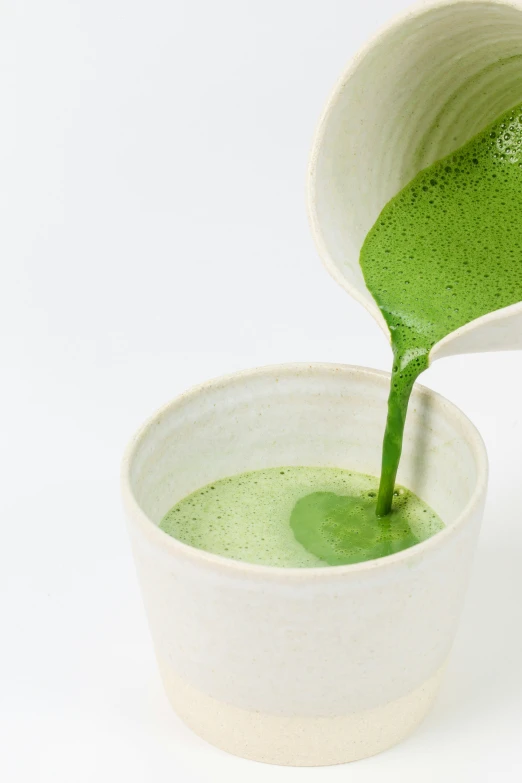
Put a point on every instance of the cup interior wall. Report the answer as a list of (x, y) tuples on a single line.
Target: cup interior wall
[(318, 416)]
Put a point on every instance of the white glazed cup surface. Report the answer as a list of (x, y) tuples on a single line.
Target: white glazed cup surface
[(424, 85), (302, 666)]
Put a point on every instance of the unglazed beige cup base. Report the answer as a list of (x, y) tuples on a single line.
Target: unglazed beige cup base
[(301, 741), (310, 666)]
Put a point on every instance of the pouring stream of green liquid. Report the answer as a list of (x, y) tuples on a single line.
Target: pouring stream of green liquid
[(444, 251)]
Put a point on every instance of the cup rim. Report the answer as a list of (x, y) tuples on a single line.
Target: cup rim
[(173, 546), (412, 11)]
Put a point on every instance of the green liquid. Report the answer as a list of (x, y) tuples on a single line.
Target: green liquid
[(298, 517), (444, 251)]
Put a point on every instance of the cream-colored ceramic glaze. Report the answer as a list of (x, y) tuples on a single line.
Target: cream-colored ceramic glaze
[(431, 79), (258, 659)]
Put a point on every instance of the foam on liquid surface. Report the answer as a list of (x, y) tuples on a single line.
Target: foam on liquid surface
[(298, 517)]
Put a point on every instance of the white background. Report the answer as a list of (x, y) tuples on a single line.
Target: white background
[(154, 234)]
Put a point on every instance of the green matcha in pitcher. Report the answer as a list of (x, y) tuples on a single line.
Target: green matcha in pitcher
[(444, 251)]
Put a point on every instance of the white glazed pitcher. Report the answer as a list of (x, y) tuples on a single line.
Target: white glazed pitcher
[(422, 87)]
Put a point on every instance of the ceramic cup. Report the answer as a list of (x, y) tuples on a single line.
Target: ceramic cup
[(302, 666), (435, 76)]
